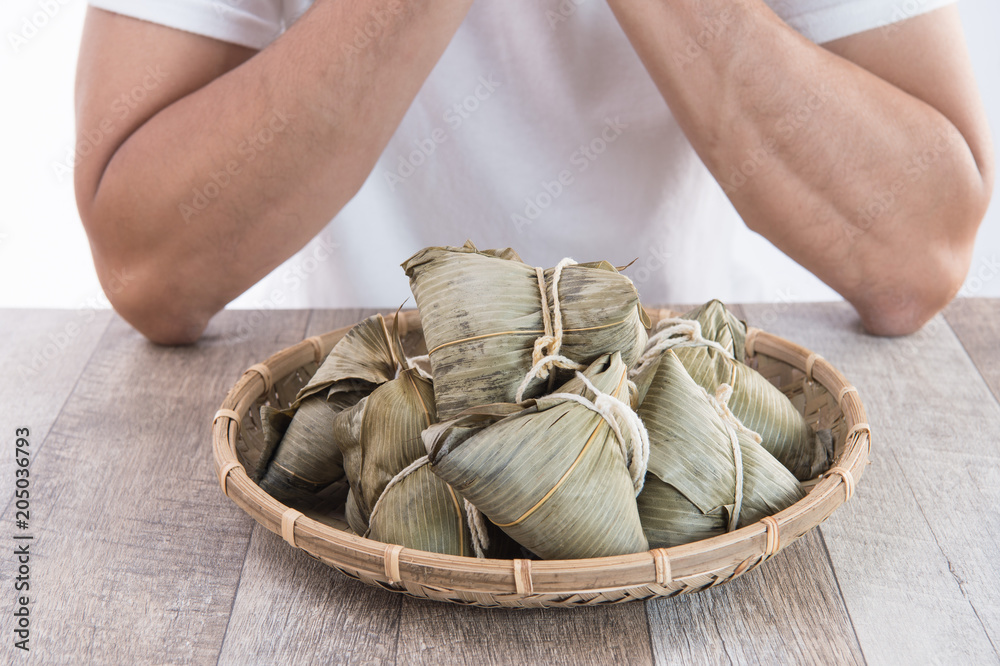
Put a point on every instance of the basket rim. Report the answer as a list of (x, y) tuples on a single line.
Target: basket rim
[(393, 565)]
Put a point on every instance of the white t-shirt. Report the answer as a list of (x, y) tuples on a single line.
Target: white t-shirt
[(538, 129)]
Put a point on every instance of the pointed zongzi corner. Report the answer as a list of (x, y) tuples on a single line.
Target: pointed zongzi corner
[(380, 436), (274, 424), (364, 358), (488, 319), (553, 474), (712, 353), (722, 326), (300, 457), (303, 463), (706, 474), (394, 498)]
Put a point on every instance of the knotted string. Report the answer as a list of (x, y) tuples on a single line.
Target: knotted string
[(720, 402), (545, 354), (608, 406), (675, 333)]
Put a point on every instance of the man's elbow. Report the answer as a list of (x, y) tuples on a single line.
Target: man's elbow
[(899, 314), (153, 309), (148, 289), (169, 332), (927, 278), (904, 307)]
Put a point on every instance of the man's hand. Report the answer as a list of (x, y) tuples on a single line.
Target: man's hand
[(204, 165), (867, 160)]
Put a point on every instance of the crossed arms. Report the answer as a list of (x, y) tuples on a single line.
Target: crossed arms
[(867, 160)]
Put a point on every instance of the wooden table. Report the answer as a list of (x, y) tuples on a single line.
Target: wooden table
[(138, 558)]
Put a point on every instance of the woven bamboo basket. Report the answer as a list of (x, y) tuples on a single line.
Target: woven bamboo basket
[(816, 388)]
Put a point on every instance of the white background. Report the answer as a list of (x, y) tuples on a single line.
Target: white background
[(44, 256)]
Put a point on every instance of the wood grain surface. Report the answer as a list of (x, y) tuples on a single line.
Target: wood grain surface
[(738, 623), (787, 612), (313, 613), (42, 356), (137, 553), (976, 322), (913, 551), (434, 633), (140, 559)]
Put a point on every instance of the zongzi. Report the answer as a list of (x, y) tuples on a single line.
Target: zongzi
[(559, 473), (300, 457), (707, 473), (497, 328), (709, 341)]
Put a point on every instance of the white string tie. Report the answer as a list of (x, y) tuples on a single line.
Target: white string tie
[(608, 407), (720, 402), (675, 333), (545, 354)]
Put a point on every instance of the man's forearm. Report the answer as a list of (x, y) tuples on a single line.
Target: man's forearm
[(218, 188), (873, 190)]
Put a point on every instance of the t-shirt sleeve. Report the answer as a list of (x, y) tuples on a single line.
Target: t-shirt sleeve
[(250, 23), (825, 20)]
